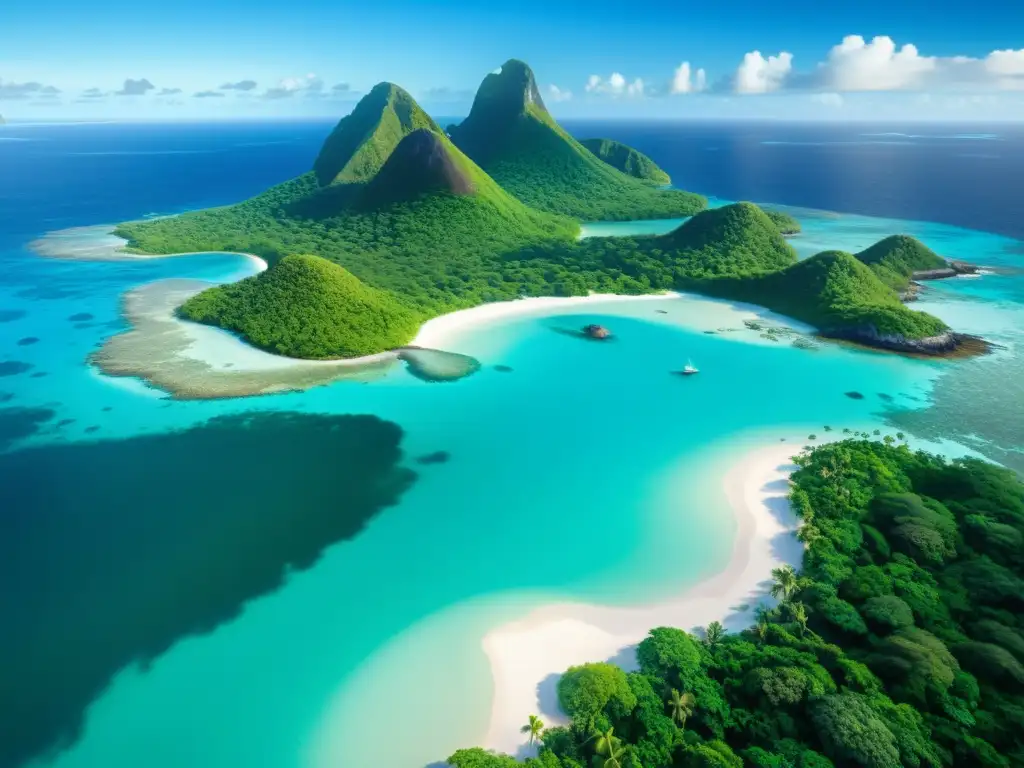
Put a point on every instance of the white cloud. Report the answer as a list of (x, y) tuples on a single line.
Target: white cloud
[(828, 99), (857, 65), (881, 64), (290, 86), (241, 85), (555, 94), (1006, 63), (757, 74), (686, 81), (135, 87), (616, 85)]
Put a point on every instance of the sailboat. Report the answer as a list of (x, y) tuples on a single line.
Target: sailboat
[(690, 369)]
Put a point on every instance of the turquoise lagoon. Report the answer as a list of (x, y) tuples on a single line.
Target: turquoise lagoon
[(587, 472)]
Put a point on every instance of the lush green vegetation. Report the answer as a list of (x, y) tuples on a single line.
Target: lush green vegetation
[(626, 159), (897, 257), (510, 134), (787, 224), (900, 643), (306, 306), (436, 233), (832, 291), (363, 140)]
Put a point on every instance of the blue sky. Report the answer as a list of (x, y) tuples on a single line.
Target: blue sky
[(311, 58)]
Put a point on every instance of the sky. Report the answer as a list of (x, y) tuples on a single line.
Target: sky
[(789, 59)]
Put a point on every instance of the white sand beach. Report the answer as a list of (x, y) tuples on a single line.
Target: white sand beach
[(527, 656), (688, 310)]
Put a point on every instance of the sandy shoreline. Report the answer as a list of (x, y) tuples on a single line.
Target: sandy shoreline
[(526, 656)]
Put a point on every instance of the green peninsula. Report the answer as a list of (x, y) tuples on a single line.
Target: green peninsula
[(896, 258), (630, 161), (898, 644), (399, 222), (787, 224)]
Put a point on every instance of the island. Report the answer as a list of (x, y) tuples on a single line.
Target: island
[(899, 642), (400, 221), (2, 121), (788, 225), (630, 161)]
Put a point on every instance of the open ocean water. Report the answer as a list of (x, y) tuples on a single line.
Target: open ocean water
[(259, 581)]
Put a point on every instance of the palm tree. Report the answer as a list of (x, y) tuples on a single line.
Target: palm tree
[(808, 534), (763, 618), (614, 759), (799, 614), (713, 634), (888, 440), (606, 743), (900, 436), (534, 727), (784, 582), (681, 706)]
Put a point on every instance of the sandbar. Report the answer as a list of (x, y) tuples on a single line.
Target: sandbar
[(527, 656)]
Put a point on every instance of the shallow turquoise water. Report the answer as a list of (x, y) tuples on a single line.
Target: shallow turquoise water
[(582, 444)]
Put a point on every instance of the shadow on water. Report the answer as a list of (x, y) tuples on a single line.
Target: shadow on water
[(112, 551)]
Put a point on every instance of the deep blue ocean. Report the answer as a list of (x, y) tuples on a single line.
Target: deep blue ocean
[(967, 175), (249, 581)]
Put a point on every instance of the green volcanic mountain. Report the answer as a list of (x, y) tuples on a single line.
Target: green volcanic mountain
[(306, 306), (896, 258), (511, 135), (363, 140), (840, 296), (737, 239), (630, 161), (422, 164)]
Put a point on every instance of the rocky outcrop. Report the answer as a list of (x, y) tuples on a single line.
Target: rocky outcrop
[(945, 344), (955, 268), (596, 332)]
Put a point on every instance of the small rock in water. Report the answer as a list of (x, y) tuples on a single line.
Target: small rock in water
[(661, 311), (594, 331), (28, 341), (437, 457), (503, 368), (855, 395)]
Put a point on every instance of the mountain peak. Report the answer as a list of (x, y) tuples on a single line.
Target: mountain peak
[(423, 163), (508, 91), (362, 141)]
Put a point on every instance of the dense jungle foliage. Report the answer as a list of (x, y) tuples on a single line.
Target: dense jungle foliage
[(898, 644)]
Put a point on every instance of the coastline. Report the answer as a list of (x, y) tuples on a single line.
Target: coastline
[(527, 656)]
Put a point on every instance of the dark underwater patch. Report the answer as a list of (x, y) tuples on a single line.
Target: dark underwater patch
[(14, 367), (28, 341), (855, 395), (80, 317), (6, 397), (38, 375), (437, 457), (10, 315), (102, 585), (18, 423), (503, 368)]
